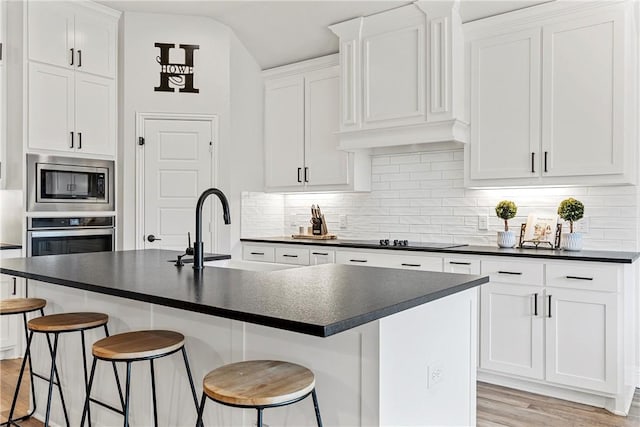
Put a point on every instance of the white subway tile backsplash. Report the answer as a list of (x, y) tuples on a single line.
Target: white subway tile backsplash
[(421, 197)]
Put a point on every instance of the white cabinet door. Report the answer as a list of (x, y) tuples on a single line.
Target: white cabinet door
[(581, 339), (8, 324), (511, 329), (51, 33), (284, 132), (51, 108), (505, 106), (324, 163), (95, 114), (95, 44), (583, 96), (393, 76)]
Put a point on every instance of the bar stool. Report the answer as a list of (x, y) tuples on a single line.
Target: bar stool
[(132, 347), (23, 306), (259, 384), (57, 324)]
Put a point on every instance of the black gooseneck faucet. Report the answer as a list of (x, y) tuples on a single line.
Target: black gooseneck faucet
[(198, 249)]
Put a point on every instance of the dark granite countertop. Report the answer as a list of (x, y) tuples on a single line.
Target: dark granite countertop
[(9, 246), (593, 256), (320, 300)]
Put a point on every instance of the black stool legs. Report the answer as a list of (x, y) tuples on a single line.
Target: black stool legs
[(260, 409), (126, 406), (54, 378)]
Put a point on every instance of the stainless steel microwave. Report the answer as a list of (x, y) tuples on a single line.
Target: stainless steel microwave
[(69, 184)]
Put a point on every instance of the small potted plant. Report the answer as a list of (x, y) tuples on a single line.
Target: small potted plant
[(571, 210), (506, 210)]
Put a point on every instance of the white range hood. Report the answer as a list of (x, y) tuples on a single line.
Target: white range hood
[(402, 77)]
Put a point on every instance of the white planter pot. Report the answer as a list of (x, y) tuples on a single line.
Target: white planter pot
[(572, 241), (506, 239)]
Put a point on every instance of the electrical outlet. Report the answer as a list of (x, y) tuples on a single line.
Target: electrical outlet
[(343, 222), (483, 222), (435, 375)]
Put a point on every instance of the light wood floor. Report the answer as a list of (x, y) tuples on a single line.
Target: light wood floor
[(497, 406)]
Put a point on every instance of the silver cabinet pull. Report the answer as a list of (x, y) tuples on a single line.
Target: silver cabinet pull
[(579, 278), (513, 273)]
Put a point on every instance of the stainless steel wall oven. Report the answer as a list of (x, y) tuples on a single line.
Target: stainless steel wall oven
[(69, 184), (70, 235)]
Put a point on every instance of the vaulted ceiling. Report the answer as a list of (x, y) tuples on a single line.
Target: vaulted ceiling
[(282, 32)]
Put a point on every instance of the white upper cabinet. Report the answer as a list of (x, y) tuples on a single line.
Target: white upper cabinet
[(284, 131), (401, 77), (505, 105), (69, 35), (552, 94), (583, 96), (301, 122), (72, 102)]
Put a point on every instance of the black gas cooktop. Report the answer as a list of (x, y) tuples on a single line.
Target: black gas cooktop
[(401, 244)]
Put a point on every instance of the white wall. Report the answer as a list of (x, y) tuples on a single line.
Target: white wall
[(421, 197), (11, 213), (230, 87), (246, 154)]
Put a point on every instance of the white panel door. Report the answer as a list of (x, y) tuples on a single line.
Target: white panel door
[(393, 70), (51, 108), (324, 163), (581, 336), (178, 167), (511, 334), (51, 33), (95, 44), (284, 132), (583, 96), (505, 106), (95, 114)]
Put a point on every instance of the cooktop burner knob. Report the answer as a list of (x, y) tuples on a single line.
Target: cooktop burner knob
[(384, 242), (405, 243), (395, 242)]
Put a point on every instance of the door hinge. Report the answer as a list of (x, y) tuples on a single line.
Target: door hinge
[(140, 140)]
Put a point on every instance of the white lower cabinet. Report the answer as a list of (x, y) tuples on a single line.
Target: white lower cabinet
[(10, 326), (511, 329), (581, 338), (563, 324)]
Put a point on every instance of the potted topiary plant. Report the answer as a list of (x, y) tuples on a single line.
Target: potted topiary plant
[(506, 210), (571, 210)]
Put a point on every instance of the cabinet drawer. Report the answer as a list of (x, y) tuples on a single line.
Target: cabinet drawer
[(258, 253), (319, 256), (461, 265), (513, 272), (356, 258), (583, 276), (298, 256), (411, 262)]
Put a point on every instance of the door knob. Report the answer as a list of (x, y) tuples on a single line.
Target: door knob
[(152, 238)]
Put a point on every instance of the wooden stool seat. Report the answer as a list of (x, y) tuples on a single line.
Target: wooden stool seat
[(67, 322), (21, 305), (259, 383), (138, 344)]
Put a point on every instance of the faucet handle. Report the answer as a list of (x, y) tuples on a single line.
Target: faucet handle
[(189, 250)]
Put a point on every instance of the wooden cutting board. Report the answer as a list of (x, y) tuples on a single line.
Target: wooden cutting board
[(314, 236)]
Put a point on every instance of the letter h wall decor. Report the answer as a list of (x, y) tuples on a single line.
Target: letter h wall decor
[(176, 75)]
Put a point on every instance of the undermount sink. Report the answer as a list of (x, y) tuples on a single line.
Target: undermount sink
[(247, 265)]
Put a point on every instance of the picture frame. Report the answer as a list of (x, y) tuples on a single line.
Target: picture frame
[(541, 230)]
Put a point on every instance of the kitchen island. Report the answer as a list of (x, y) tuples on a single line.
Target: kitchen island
[(388, 346)]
